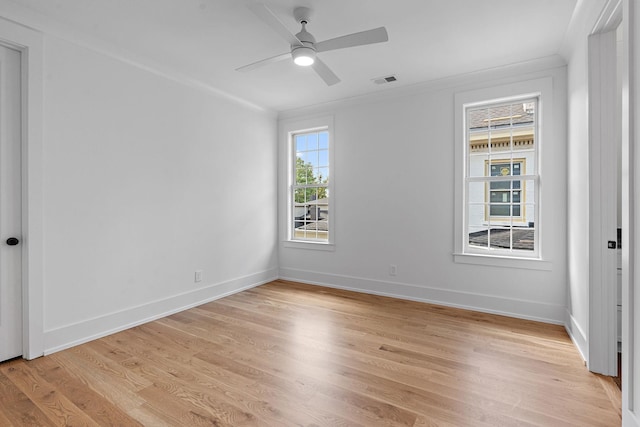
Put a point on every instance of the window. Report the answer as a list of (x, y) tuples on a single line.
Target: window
[(501, 180), (310, 186), (307, 206), (505, 216)]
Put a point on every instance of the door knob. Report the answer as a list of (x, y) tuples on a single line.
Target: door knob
[(12, 241)]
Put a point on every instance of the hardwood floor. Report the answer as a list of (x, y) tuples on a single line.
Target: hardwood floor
[(286, 354)]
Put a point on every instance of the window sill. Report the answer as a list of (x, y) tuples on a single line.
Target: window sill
[(315, 246), (503, 261)]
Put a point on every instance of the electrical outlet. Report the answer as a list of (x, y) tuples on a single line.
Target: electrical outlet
[(198, 276), (393, 270)]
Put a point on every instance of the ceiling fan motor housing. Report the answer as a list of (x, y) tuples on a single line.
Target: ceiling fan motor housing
[(303, 55)]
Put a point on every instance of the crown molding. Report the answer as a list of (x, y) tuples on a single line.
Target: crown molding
[(489, 75), (50, 27)]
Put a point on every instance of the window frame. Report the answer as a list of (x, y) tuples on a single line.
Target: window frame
[(463, 253), (287, 130)]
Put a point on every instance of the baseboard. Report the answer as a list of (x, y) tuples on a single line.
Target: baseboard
[(576, 334), (71, 335), (90, 329), (522, 309)]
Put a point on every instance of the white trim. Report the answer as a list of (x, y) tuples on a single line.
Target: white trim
[(503, 261), (315, 246), (609, 18), (576, 334), (97, 327), (512, 307), (631, 160), (29, 43)]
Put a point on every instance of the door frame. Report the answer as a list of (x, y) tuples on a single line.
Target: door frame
[(30, 44), (630, 210)]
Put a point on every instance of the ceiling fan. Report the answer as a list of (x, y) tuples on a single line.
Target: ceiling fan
[(304, 46)]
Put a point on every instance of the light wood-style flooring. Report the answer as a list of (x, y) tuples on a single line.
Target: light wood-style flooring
[(287, 354)]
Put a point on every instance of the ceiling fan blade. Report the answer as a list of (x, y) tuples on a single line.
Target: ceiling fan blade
[(269, 18), (263, 62), (325, 72), (377, 35)]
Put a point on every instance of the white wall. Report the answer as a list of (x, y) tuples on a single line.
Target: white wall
[(146, 180), (394, 199), (578, 172)]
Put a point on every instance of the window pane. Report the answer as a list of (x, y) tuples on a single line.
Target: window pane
[(516, 209), (323, 158), (516, 168), (529, 214), (300, 195), (478, 164), (500, 210), (301, 143), (477, 216), (501, 116), (500, 196), (478, 237), (477, 119), (500, 238), (323, 140), (312, 141), (322, 175), (500, 185), (523, 238), (312, 158), (506, 168), (303, 172), (477, 192)]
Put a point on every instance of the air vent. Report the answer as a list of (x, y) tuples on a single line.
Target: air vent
[(386, 79)]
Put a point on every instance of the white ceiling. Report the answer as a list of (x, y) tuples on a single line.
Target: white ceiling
[(428, 39)]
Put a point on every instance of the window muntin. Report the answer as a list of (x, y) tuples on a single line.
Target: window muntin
[(501, 179), (310, 186)]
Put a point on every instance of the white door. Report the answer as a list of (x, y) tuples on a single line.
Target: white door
[(10, 205), (603, 129)]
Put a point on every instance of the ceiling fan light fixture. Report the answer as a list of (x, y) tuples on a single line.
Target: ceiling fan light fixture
[(303, 56)]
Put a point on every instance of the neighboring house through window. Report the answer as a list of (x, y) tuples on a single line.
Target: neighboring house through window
[(501, 177)]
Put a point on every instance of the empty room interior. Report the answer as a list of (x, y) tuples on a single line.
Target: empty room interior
[(310, 213)]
